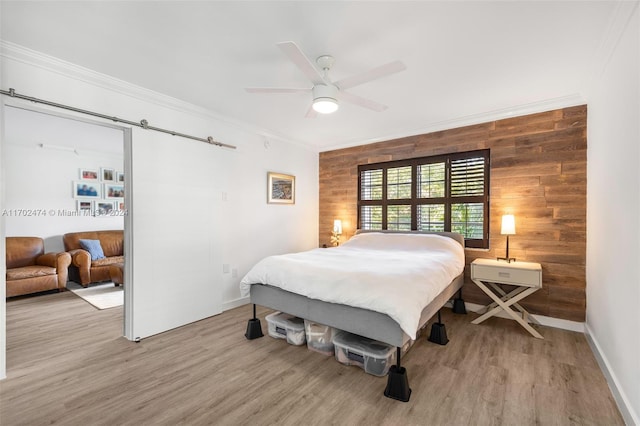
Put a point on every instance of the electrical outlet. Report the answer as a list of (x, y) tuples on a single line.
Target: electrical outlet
[(225, 268)]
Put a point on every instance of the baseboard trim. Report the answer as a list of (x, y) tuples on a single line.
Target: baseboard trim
[(629, 416), (543, 320), (235, 303), (473, 307)]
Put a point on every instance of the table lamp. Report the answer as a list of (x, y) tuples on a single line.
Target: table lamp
[(337, 231), (508, 228)]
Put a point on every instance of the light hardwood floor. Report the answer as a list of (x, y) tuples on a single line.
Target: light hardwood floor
[(68, 364)]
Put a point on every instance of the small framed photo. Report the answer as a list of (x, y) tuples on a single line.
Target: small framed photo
[(85, 189), (107, 175), (84, 207), (89, 174), (281, 188), (120, 177), (113, 191), (119, 205), (104, 208)]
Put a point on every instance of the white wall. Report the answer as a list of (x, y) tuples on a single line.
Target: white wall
[(613, 220), (38, 196), (193, 206), (3, 269)]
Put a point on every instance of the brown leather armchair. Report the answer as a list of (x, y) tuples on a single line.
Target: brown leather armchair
[(85, 271), (30, 270)]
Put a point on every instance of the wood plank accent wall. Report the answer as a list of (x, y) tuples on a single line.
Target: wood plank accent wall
[(538, 173)]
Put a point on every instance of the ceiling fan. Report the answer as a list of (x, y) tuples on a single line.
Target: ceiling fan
[(327, 93)]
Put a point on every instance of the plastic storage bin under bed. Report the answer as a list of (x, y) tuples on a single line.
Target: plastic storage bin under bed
[(374, 357), (319, 337), (285, 326)]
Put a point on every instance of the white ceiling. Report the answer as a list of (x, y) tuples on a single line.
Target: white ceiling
[(466, 60)]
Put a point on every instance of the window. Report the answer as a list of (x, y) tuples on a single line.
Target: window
[(442, 193)]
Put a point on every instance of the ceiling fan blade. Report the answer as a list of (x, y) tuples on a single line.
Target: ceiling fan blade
[(311, 113), (275, 90), (373, 74), (297, 57), (363, 102)]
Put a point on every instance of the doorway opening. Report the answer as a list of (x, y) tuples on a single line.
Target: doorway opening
[(49, 159)]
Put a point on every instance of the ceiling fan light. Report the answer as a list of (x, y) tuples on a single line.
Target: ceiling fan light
[(325, 105)]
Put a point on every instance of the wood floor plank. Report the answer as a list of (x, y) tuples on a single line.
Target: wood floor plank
[(68, 364)]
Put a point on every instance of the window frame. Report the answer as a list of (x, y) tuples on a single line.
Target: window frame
[(448, 200)]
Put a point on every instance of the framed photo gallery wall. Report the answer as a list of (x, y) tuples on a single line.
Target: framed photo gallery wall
[(99, 191)]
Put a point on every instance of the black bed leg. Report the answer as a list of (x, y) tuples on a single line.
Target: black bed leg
[(397, 381), (438, 332), (254, 329), (458, 304)]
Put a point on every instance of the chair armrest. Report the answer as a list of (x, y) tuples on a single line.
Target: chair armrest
[(82, 260), (61, 262), (56, 260)]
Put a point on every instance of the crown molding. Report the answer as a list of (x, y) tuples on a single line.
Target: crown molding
[(67, 69), (50, 63), (484, 117)]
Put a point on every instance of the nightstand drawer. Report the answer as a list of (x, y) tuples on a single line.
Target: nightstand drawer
[(507, 275)]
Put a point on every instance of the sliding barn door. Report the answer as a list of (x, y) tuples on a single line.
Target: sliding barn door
[(173, 197)]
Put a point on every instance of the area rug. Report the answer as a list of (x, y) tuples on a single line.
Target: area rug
[(101, 296)]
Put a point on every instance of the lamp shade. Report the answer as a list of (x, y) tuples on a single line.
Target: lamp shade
[(325, 105), (325, 98), (337, 226), (508, 225)]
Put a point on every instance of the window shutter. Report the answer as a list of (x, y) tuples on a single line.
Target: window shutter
[(448, 192), (371, 184), (467, 177)]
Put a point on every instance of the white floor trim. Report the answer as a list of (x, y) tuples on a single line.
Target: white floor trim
[(543, 320), (625, 407), (235, 303), (473, 307)]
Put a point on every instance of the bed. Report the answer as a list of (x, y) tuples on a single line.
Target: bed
[(383, 275)]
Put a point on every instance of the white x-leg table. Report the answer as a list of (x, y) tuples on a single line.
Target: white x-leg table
[(525, 276)]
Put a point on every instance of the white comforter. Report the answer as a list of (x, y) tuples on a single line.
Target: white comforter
[(395, 274)]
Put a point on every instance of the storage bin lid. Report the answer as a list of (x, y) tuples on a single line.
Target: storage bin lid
[(362, 344), (285, 320), (315, 327)]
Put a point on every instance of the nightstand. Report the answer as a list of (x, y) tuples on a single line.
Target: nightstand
[(488, 274)]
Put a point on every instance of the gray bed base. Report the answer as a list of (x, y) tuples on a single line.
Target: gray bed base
[(363, 322)]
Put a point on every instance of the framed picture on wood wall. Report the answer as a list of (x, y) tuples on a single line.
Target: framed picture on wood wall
[(281, 188)]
